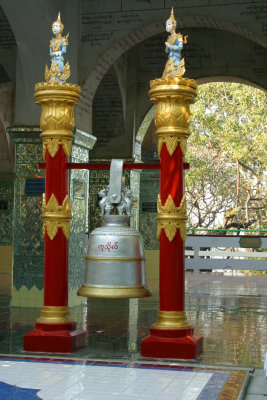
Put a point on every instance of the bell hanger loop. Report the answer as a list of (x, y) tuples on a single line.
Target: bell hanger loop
[(115, 181)]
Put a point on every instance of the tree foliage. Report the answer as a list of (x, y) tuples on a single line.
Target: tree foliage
[(226, 182)]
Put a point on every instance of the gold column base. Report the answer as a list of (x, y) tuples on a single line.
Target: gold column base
[(171, 320), (54, 315)]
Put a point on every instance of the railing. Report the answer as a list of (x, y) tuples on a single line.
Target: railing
[(226, 252)]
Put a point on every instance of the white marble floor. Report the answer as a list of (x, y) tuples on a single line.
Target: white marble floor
[(50, 380)]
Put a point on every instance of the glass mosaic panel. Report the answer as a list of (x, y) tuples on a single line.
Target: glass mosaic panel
[(28, 242), (79, 180), (149, 189), (28, 266), (135, 188), (6, 211), (79, 154)]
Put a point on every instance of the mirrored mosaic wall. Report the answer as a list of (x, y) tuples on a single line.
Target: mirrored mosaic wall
[(149, 189), (79, 181), (6, 211), (28, 269), (28, 261)]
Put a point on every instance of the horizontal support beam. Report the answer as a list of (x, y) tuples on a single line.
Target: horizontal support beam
[(106, 165)]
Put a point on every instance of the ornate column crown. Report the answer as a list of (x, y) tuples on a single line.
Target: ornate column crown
[(57, 118)]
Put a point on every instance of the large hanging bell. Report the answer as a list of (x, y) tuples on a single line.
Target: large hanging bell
[(115, 258)]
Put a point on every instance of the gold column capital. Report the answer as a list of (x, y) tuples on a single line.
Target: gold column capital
[(172, 97), (56, 216), (171, 218), (57, 118)]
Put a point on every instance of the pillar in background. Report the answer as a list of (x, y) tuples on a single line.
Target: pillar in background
[(54, 330)]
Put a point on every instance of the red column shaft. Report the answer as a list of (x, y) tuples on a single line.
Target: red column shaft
[(56, 250), (171, 253)]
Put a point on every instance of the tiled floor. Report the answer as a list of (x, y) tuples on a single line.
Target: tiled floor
[(28, 379), (229, 312)]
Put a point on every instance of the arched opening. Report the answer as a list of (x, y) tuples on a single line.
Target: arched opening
[(108, 118)]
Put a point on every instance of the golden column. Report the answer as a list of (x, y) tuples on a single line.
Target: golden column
[(171, 335), (54, 330)]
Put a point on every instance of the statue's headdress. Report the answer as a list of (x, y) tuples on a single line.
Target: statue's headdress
[(172, 19), (59, 22)]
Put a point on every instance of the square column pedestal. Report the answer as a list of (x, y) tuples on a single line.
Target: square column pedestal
[(178, 344), (58, 338)]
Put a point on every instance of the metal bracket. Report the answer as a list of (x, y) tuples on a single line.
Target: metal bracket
[(115, 181)]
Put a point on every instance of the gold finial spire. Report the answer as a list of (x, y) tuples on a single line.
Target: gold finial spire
[(59, 22), (171, 18)]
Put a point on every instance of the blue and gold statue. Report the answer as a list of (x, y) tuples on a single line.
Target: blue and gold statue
[(58, 47), (175, 65)]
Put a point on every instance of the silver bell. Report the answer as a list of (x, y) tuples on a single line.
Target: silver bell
[(115, 258)]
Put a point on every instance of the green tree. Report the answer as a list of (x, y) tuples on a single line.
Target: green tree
[(226, 182)]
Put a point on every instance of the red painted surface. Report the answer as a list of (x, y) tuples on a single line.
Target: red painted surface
[(56, 271), (97, 165), (69, 326), (172, 343), (56, 176), (59, 338), (56, 250), (171, 175), (61, 341), (184, 348), (171, 274), (171, 253)]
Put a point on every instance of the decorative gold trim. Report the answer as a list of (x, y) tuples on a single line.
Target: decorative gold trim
[(173, 81), (233, 385), (115, 258), (70, 87), (57, 118), (172, 136), (56, 216), (171, 320), (170, 69), (110, 292), (171, 144), (52, 145), (54, 72), (54, 315), (172, 117), (171, 218)]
